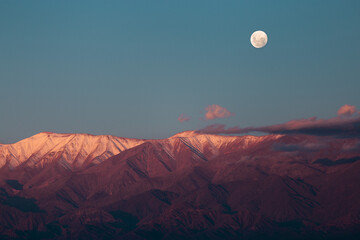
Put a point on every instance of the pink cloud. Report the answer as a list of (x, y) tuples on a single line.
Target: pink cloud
[(215, 111), (337, 126), (183, 118), (346, 110)]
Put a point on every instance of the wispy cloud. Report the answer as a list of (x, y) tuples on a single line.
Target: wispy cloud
[(183, 118), (337, 126), (215, 111)]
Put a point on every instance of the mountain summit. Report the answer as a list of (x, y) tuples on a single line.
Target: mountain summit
[(71, 150)]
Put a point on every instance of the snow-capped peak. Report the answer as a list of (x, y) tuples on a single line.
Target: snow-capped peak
[(185, 134), (213, 143), (71, 150)]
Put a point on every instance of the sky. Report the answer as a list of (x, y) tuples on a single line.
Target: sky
[(150, 69)]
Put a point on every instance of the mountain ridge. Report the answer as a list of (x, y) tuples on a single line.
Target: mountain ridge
[(74, 147), (77, 147), (190, 185)]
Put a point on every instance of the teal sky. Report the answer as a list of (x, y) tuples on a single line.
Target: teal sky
[(130, 68)]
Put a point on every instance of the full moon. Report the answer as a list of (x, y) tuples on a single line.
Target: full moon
[(258, 39)]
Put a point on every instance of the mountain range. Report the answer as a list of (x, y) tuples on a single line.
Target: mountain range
[(188, 186)]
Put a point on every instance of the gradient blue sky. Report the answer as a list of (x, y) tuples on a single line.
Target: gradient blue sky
[(130, 68)]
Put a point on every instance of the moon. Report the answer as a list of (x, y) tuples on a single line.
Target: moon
[(259, 39)]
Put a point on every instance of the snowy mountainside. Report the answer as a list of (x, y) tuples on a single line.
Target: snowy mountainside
[(72, 150)]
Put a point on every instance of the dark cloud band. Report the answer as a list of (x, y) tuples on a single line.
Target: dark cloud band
[(343, 127)]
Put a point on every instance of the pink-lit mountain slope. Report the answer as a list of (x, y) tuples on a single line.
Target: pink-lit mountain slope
[(189, 186), (72, 151)]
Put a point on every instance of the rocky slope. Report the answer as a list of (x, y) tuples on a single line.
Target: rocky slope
[(76, 186)]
